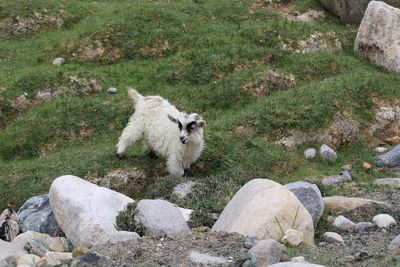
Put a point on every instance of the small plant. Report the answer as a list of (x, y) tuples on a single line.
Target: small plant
[(125, 220)]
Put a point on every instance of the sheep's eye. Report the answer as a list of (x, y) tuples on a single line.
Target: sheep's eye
[(180, 125), (191, 126)]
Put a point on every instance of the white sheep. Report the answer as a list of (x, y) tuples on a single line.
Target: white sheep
[(165, 132)]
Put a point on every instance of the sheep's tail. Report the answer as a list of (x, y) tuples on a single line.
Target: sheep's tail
[(134, 94)]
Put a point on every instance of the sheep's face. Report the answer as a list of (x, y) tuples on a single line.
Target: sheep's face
[(189, 125)]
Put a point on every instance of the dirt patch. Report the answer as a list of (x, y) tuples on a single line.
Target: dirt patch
[(316, 42), (75, 86), (266, 82), (171, 252), (343, 132), (113, 46), (26, 25)]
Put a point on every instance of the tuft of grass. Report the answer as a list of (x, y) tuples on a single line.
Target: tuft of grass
[(125, 220)]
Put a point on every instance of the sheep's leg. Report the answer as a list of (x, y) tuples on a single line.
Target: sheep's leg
[(148, 150), (131, 134), (175, 167)]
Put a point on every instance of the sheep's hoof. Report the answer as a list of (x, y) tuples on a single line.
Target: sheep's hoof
[(185, 171), (119, 156)]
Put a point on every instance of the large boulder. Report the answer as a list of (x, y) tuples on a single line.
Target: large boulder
[(37, 215), (86, 212), (265, 209), (377, 35), (351, 11), (310, 196), (161, 218)]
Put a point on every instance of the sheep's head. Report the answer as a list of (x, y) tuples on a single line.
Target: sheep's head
[(189, 125)]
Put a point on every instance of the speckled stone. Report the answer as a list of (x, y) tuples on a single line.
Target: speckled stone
[(390, 159)]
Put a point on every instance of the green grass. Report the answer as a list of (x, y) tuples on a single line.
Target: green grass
[(197, 71)]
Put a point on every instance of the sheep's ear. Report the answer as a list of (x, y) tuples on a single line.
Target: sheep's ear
[(172, 118), (201, 123)]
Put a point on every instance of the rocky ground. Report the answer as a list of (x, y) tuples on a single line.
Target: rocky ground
[(172, 252)]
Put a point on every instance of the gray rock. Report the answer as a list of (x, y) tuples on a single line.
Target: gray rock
[(390, 159), (343, 223), (332, 237), (380, 149), (395, 243), (327, 153), (295, 264), (205, 259), (248, 263), (183, 189), (310, 196), (36, 247), (310, 153), (112, 90), (37, 215), (362, 227), (266, 252), (351, 11), (383, 220), (343, 177), (395, 182), (161, 218), (378, 46), (250, 241), (58, 61)]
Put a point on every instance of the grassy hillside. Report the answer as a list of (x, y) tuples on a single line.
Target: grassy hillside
[(199, 55)]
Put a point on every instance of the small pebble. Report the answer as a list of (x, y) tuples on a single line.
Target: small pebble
[(112, 90), (380, 149), (58, 61), (310, 153)]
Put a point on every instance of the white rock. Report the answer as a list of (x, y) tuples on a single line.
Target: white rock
[(112, 90), (265, 209), (86, 212), (383, 220), (327, 153), (343, 223), (8, 249), (266, 252), (28, 259), (376, 34), (292, 238), (298, 259), (380, 149), (58, 61), (183, 189), (205, 259), (310, 153), (186, 213), (332, 237), (161, 218)]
